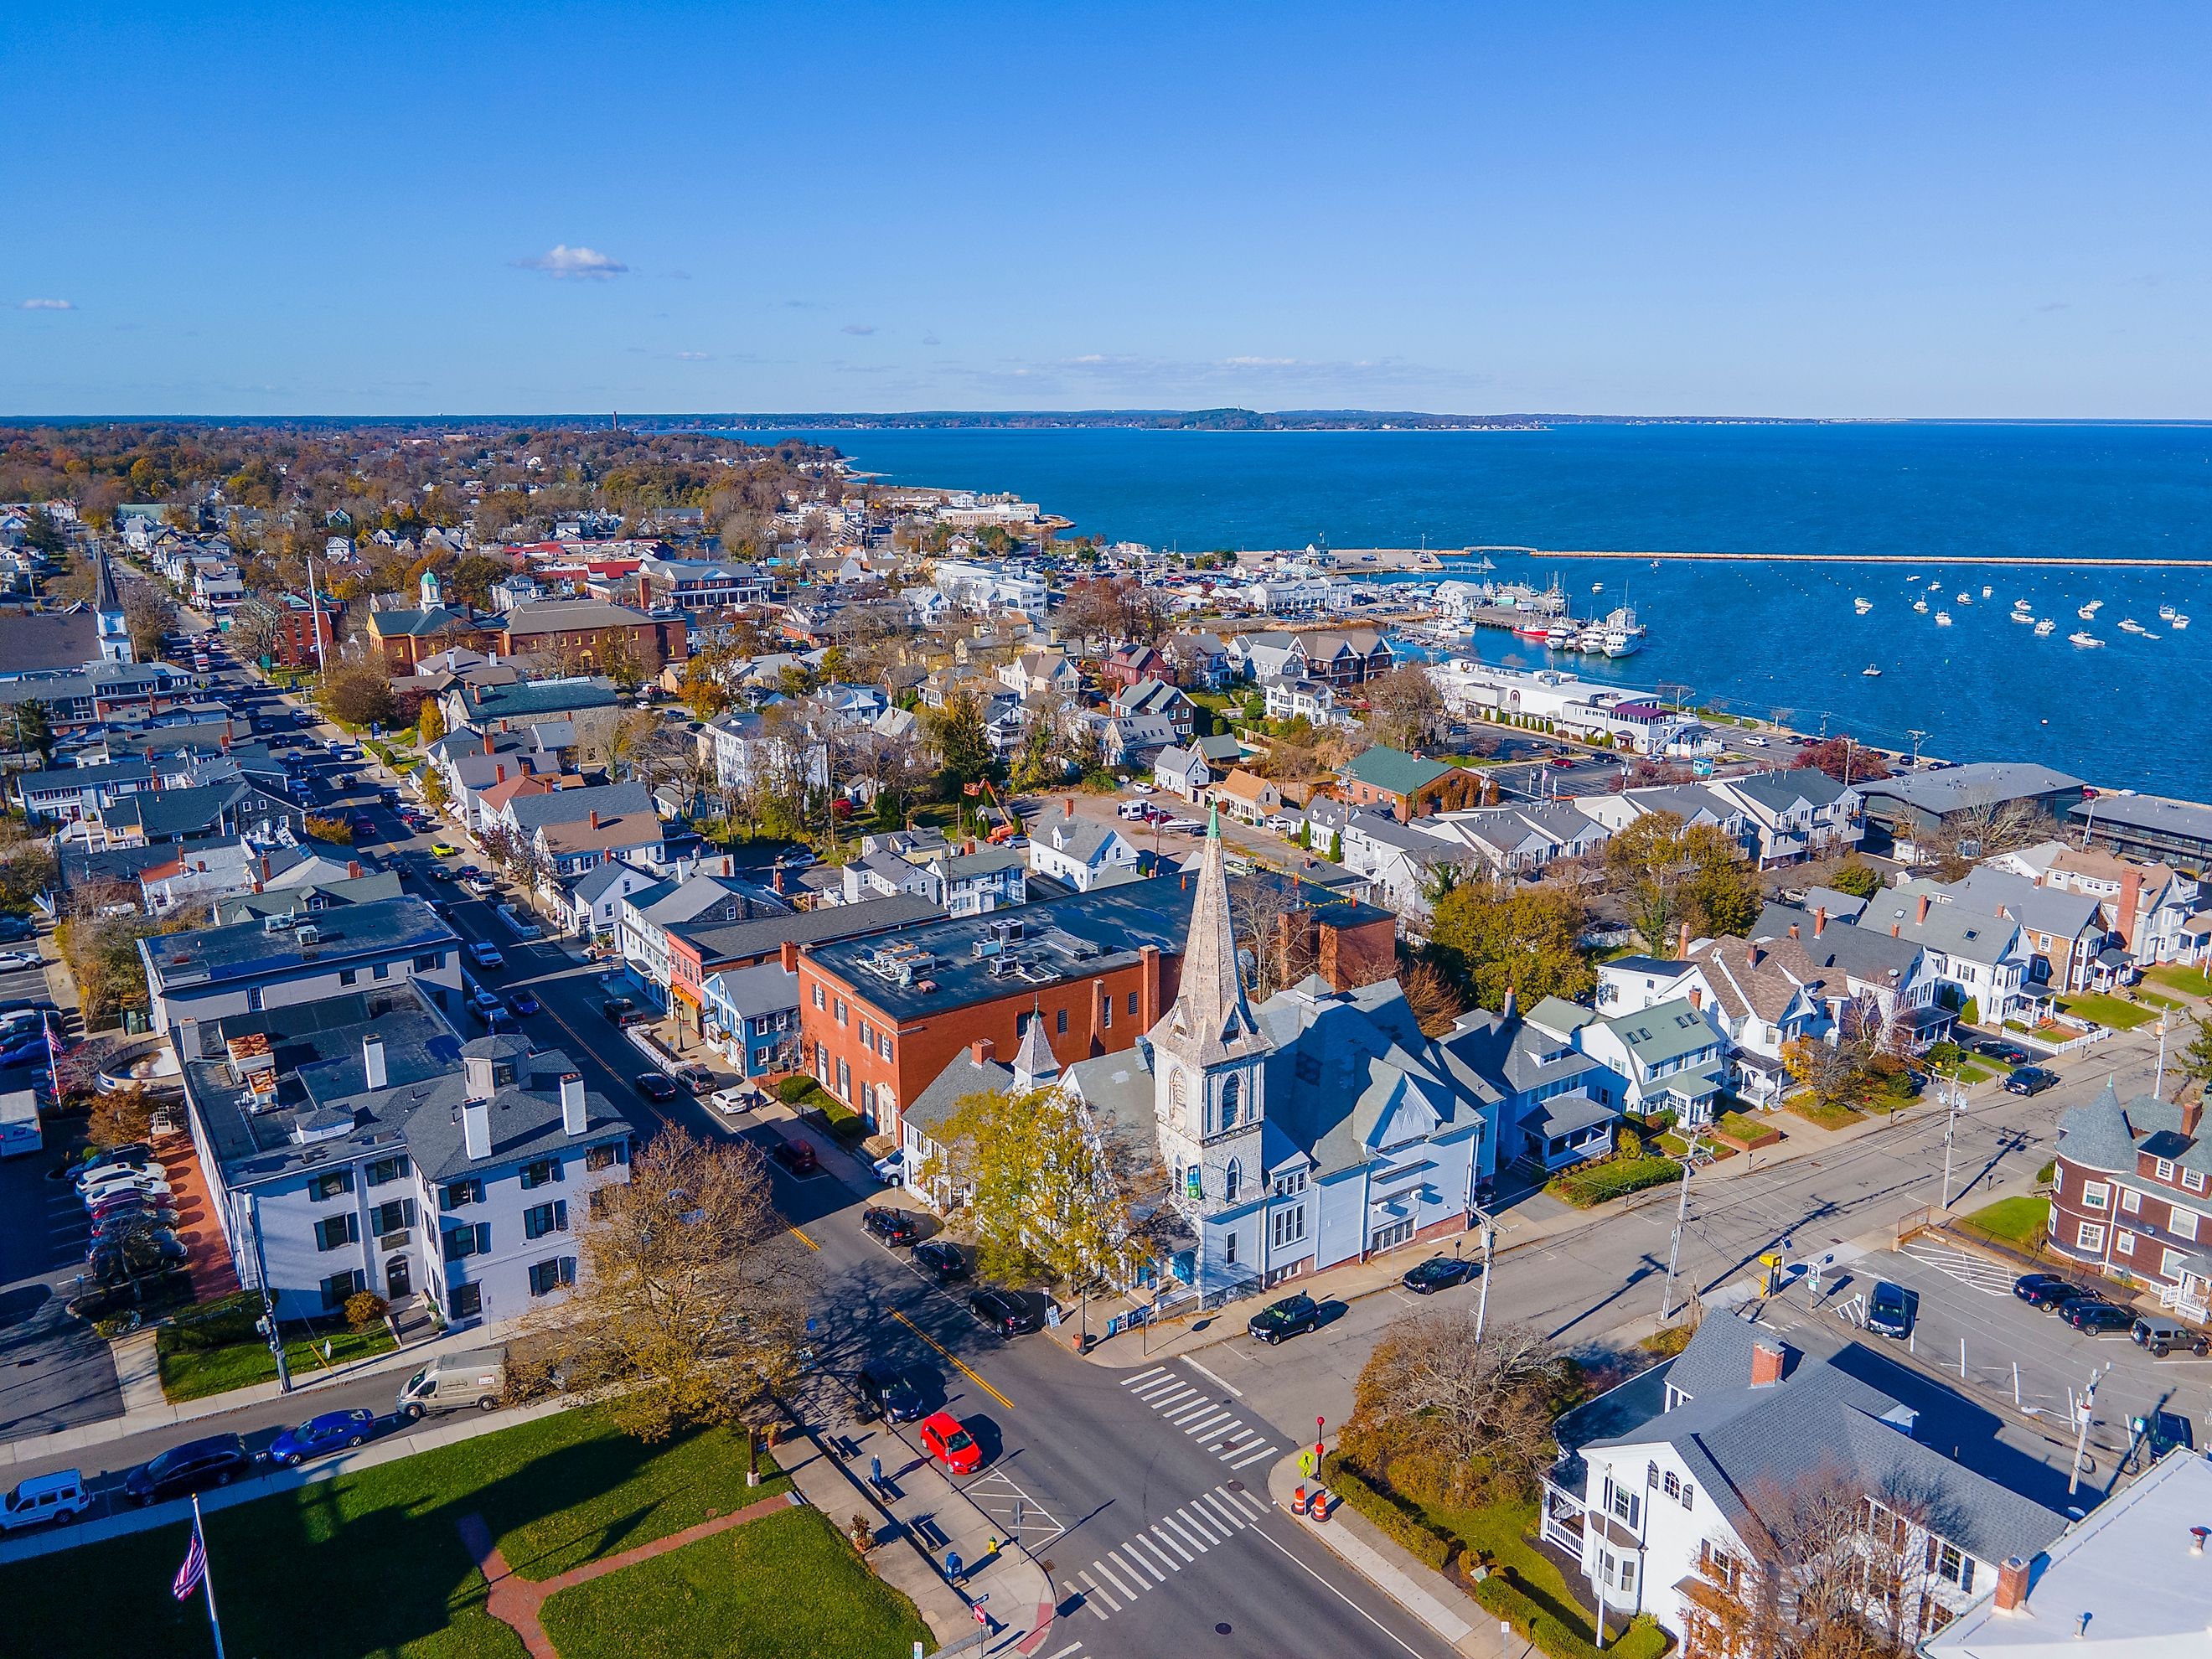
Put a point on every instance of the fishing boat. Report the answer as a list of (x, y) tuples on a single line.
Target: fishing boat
[(2083, 638), (2130, 625), (1597, 587), (1558, 637), (1985, 590), (2046, 628), (1622, 642), (2023, 605), (1538, 630), (1871, 671), (1921, 605), (1966, 599), (1942, 619), (2023, 616), (1863, 605), (2088, 611), (2179, 619), (2165, 613)]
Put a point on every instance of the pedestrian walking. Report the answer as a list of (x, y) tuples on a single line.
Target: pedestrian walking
[(876, 1473)]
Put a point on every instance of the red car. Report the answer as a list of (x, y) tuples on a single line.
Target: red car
[(943, 1439)]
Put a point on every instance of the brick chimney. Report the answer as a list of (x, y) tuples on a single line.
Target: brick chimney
[(2192, 1113), (1682, 942), (499, 773), (1697, 997), (1793, 930), (503, 725), (1511, 1007), (982, 1050), (595, 817), (353, 869), (265, 868), (2130, 896), (2012, 1585), (1070, 805), (790, 956), (1925, 901), (1753, 955), (487, 743), (1820, 920), (1765, 1364)]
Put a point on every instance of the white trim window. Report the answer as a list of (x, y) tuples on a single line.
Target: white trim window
[(2089, 1236), (2096, 1195), (2123, 1242), (2130, 1201), (2182, 1223)]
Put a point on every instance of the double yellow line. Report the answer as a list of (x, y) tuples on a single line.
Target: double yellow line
[(954, 1357)]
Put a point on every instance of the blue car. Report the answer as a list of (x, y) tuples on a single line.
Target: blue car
[(320, 1434)]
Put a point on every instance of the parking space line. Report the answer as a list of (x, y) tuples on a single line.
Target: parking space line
[(1212, 1378)]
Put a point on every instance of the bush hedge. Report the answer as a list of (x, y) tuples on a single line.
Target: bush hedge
[(1643, 1639), (1611, 1179), (795, 1088), (1404, 1527)]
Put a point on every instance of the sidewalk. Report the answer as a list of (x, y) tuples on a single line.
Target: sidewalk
[(1537, 1221), (145, 1407)]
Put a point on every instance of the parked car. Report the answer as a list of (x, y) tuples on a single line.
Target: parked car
[(485, 954), (11, 960), (654, 1087), (1997, 1048), (113, 1223), (887, 1391), (944, 1258), (2047, 1291), (88, 1176), (59, 1497), (943, 1439), (14, 927), (796, 1157), (1889, 1310), (317, 1435), (1011, 1313), (733, 1100), (148, 1186), (1293, 1316), (893, 1226), (481, 884), (524, 1002), (2095, 1316), (438, 873), (697, 1079), (621, 1011), (891, 1171), (2030, 1080), (193, 1467), (1438, 1273), (2162, 1333)]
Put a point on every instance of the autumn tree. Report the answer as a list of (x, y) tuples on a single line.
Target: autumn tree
[(690, 1305), (429, 722), (1433, 994), (1844, 759), (147, 613), (1052, 1191), (1971, 834), (962, 745), (357, 692), (1442, 1416), (1496, 937), (121, 1117), (1405, 710), (1833, 1076), (1665, 871)]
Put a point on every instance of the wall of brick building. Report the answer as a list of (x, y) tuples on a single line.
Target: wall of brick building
[(2151, 1223)]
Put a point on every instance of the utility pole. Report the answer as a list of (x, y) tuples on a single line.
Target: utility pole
[(1915, 734), (1955, 1103), (1681, 1219), (2158, 1088), (1482, 1301), (2082, 1414), (268, 1320)]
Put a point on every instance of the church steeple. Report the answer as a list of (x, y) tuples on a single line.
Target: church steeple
[(1211, 1022), (111, 627), (1034, 1064)]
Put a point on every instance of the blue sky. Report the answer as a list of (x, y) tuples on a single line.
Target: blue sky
[(1955, 210)]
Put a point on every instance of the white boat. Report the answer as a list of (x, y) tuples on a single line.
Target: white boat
[(2165, 613), (2130, 625), (1942, 619), (1985, 590), (2090, 609), (2179, 619), (1863, 605), (2083, 638), (2046, 628), (1966, 599), (2023, 605), (1871, 671), (1558, 638), (1921, 605), (1597, 587), (2023, 616)]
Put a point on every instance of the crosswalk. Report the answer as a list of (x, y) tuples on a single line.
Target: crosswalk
[(1149, 1556), (1211, 1423)]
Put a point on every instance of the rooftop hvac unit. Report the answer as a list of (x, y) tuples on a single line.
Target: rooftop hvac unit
[(309, 936)]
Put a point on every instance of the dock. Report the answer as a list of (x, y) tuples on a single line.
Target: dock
[(1919, 560)]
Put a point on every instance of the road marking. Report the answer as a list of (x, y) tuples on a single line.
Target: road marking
[(1235, 1519), (1207, 1424), (1180, 1525), (1230, 1437), (1209, 1528), (1226, 1457), (1094, 1593), (1161, 1399), (1211, 1377), (1071, 1648), (1259, 1505), (957, 1362), (1169, 1540), (1189, 1413), (811, 1245), (1348, 1601), (1158, 1576), (1132, 1381)]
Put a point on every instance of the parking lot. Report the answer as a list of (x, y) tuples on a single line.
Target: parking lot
[(1969, 1330), (54, 1372)]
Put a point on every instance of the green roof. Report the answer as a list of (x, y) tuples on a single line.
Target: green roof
[(1394, 771), (1664, 1032)]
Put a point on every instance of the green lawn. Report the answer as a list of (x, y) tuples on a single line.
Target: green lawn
[(369, 1565), (784, 1587), (2019, 1221), (1504, 1532), (1743, 1125), (2120, 1015), (1833, 1116), (189, 1373), (2190, 981)]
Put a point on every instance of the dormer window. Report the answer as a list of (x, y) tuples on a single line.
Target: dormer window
[(2164, 1169)]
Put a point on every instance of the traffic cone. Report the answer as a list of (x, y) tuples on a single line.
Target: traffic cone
[(1299, 1500)]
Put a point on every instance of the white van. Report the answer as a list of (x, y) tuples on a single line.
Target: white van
[(454, 1381), (60, 1496)]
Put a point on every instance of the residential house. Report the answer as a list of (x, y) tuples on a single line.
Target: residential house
[(1979, 960), (1083, 852), (1692, 803), (2070, 947), (1392, 780), (485, 708), (650, 917), (1398, 859), (1311, 700), (1795, 816), (1675, 1488), (1875, 986), (1182, 771), (213, 870), (1150, 697), (1133, 664), (1132, 743), (1039, 673), (1249, 796), (747, 752), (963, 882), (704, 585), (591, 904), (1202, 662), (2152, 909), (1668, 1056), (1766, 995), (2130, 1197), (1516, 841), (1553, 1105), (752, 1015)]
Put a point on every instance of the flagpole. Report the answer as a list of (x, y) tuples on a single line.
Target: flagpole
[(207, 1577)]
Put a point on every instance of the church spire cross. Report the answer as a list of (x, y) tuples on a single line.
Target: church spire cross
[(1211, 1020)]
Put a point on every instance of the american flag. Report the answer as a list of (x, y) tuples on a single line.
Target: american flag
[(189, 1574)]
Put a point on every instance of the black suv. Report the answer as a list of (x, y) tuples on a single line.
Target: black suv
[(2030, 1080), (2047, 1291), (193, 1467), (1293, 1316), (887, 1391), (621, 1011), (946, 1260), (1438, 1273), (893, 1226), (1009, 1312), (2097, 1317)]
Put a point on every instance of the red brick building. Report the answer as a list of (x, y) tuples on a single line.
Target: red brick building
[(2133, 1195)]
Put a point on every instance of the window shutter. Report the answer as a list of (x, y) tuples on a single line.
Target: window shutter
[(560, 1215), (352, 1227), (560, 1168), (483, 1238)]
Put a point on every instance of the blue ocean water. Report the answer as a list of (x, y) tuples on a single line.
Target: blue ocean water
[(1745, 637)]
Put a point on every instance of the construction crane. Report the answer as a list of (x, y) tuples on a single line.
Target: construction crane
[(1011, 826)]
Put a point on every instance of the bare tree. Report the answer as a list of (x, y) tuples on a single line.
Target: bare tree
[(1973, 833), (690, 1303), (1405, 708)]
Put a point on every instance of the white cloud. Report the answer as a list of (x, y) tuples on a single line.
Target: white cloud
[(47, 305), (1258, 362), (565, 261), (858, 328), (693, 357)]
